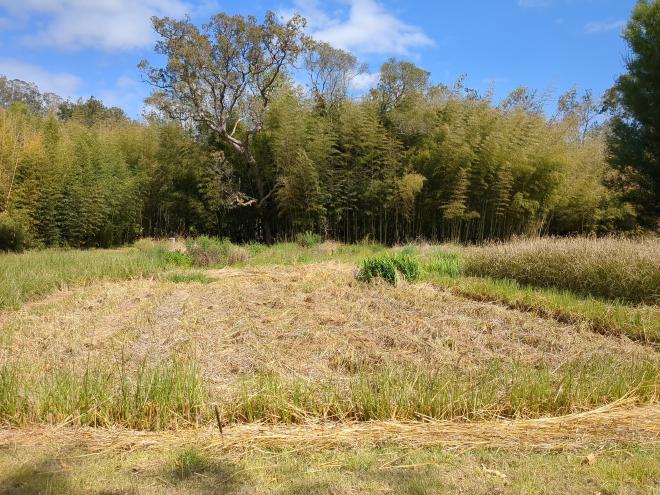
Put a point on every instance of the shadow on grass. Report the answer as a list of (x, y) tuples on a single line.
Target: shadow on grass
[(45, 476)]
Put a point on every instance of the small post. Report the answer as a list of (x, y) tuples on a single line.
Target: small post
[(217, 416)]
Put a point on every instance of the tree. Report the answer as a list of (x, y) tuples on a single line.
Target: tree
[(634, 140), (223, 76), (330, 72)]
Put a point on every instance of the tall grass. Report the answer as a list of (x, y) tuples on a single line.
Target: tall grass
[(609, 268), (501, 390), (34, 273), (389, 267), (174, 396), (151, 397)]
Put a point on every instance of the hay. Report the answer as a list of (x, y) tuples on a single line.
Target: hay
[(312, 321), (619, 422)]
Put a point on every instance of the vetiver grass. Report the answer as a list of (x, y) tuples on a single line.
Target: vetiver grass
[(615, 269), (28, 275), (151, 397), (174, 396), (501, 390)]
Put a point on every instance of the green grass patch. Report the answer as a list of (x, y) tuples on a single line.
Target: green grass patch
[(608, 317), (390, 267), (151, 397), (34, 273)]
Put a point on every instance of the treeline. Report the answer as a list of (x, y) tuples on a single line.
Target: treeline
[(409, 160)]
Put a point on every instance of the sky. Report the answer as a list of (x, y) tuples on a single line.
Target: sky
[(82, 48)]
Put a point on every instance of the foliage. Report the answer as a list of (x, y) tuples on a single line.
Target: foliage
[(13, 234), (241, 151), (444, 264), (307, 239), (634, 140), (389, 267)]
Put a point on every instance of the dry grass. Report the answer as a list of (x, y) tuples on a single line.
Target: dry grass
[(328, 346), (309, 321), (608, 268), (616, 422)]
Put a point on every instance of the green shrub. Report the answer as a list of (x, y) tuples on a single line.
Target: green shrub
[(13, 234), (207, 251), (307, 239), (177, 258), (389, 268)]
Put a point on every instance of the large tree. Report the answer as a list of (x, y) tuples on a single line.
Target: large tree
[(634, 141), (223, 77)]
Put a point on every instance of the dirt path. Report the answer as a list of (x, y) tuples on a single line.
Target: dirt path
[(616, 423)]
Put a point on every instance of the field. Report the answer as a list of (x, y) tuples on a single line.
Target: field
[(205, 367)]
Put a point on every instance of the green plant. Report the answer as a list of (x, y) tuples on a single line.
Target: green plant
[(13, 234), (389, 267), (177, 258), (307, 239), (207, 251), (188, 462), (444, 264)]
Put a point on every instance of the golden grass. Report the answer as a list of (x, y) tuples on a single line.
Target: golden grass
[(610, 268), (616, 422), (308, 321)]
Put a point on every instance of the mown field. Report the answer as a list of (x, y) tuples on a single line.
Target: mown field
[(314, 367)]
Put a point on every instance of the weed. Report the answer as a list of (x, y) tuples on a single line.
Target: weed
[(188, 462), (307, 239), (443, 264), (388, 267)]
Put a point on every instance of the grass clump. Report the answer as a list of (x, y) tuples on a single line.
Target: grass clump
[(443, 264), (210, 251), (150, 397), (389, 267), (615, 269), (502, 389), (188, 462), (307, 239)]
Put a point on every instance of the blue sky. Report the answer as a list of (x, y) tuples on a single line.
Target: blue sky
[(78, 48)]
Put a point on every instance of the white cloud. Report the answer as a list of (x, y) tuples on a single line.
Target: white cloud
[(594, 27), (362, 26), (60, 83), (364, 82), (107, 24)]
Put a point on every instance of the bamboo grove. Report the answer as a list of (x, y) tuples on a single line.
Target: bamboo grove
[(409, 160)]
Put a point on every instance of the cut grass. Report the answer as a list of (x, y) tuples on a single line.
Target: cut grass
[(187, 277), (609, 317)]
